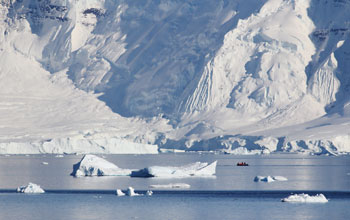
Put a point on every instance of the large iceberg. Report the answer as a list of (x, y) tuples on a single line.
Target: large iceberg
[(305, 198), (91, 165), (30, 188), (193, 169)]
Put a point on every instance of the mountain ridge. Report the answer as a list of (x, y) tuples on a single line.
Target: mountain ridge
[(191, 75)]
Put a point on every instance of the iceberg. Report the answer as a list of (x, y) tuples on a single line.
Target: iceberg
[(193, 169), (119, 192), (171, 186), (131, 192), (91, 165), (305, 198), (280, 178), (30, 188), (149, 193), (269, 178)]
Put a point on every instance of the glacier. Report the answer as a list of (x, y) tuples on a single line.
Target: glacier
[(122, 76)]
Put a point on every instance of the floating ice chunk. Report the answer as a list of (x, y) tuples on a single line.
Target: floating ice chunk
[(269, 178), (280, 178), (193, 169), (30, 188), (305, 198), (119, 193), (131, 192), (172, 186), (149, 193), (263, 179), (59, 156), (44, 163), (91, 165)]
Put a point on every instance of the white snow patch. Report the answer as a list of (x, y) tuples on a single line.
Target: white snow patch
[(305, 198), (30, 188), (171, 186)]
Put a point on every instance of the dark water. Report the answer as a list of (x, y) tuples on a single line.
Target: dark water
[(232, 194)]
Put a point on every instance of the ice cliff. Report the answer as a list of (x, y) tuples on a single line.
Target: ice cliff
[(120, 76)]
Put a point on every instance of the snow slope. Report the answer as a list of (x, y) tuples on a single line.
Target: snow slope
[(120, 76)]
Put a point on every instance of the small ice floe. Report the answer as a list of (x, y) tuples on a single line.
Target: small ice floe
[(59, 156), (193, 169), (171, 186), (44, 163), (119, 192), (91, 165), (149, 193), (131, 192), (30, 188), (305, 198), (269, 178)]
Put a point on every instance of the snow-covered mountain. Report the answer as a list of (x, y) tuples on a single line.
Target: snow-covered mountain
[(120, 76)]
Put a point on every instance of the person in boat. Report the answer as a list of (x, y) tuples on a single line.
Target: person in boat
[(242, 164)]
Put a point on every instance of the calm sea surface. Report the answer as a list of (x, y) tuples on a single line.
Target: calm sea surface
[(232, 194)]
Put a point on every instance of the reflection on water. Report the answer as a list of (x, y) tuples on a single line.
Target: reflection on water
[(303, 172)]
